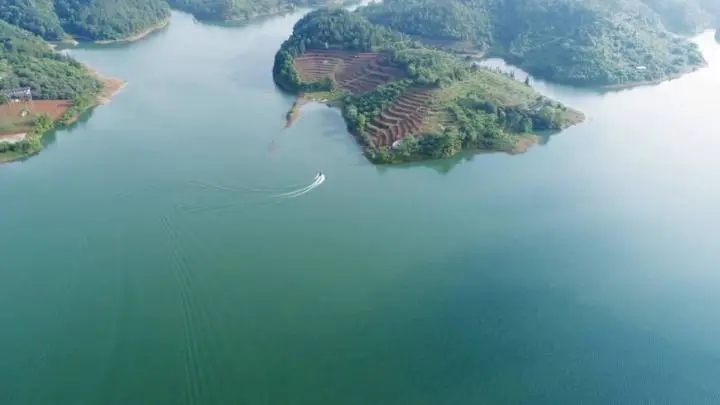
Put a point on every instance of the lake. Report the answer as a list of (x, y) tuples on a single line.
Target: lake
[(148, 255)]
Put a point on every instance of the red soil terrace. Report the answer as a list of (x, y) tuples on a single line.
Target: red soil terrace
[(361, 73)]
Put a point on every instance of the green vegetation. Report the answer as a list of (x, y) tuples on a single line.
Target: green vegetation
[(686, 16), (578, 42), (463, 107), (27, 61), (31, 144), (88, 20), (243, 10)]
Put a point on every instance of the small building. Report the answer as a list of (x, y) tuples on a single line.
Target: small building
[(17, 94)]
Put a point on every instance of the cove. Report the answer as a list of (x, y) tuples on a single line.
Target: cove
[(145, 261)]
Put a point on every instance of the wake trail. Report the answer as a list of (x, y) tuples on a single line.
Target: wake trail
[(239, 204), (243, 189), (297, 193)]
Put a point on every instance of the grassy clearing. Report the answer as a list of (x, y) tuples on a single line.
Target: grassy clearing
[(499, 88)]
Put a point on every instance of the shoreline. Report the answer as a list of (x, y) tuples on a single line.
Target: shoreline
[(111, 86), (632, 85), (481, 56), (138, 36), (302, 99), (294, 113)]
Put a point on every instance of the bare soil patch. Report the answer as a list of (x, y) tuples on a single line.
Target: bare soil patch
[(19, 117), (355, 72)]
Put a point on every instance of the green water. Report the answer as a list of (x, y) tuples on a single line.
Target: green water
[(144, 261)]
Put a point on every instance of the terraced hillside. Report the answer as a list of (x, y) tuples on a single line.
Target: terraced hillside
[(406, 102), (407, 115), (355, 72)]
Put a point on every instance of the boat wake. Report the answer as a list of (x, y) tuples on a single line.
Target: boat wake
[(266, 199), (319, 179)]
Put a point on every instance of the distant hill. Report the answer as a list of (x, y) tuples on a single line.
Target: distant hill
[(686, 16), (103, 20), (88, 20), (242, 10), (579, 42)]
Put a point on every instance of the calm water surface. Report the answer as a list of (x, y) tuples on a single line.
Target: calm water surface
[(145, 261)]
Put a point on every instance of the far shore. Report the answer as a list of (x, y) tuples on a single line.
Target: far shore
[(631, 85), (140, 35), (479, 56)]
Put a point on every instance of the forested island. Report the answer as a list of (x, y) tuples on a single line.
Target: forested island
[(404, 101), (60, 90), (577, 42)]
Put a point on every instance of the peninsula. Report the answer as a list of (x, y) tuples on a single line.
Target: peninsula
[(404, 101), (616, 43), (40, 88)]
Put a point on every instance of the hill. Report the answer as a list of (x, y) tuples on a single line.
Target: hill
[(87, 20), (243, 10), (686, 16), (61, 88), (578, 42), (404, 101)]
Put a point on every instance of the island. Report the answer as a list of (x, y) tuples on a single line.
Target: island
[(40, 89), (613, 43), (404, 101)]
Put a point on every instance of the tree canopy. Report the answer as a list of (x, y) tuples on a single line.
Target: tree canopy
[(581, 42), (84, 19), (242, 10), (27, 61)]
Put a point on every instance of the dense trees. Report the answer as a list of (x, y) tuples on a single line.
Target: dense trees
[(84, 19), (686, 16), (451, 20), (242, 10), (36, 16), (581, 42), (109, 19), (25, 60)]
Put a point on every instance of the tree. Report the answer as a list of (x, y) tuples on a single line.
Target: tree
[(4, 98)]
